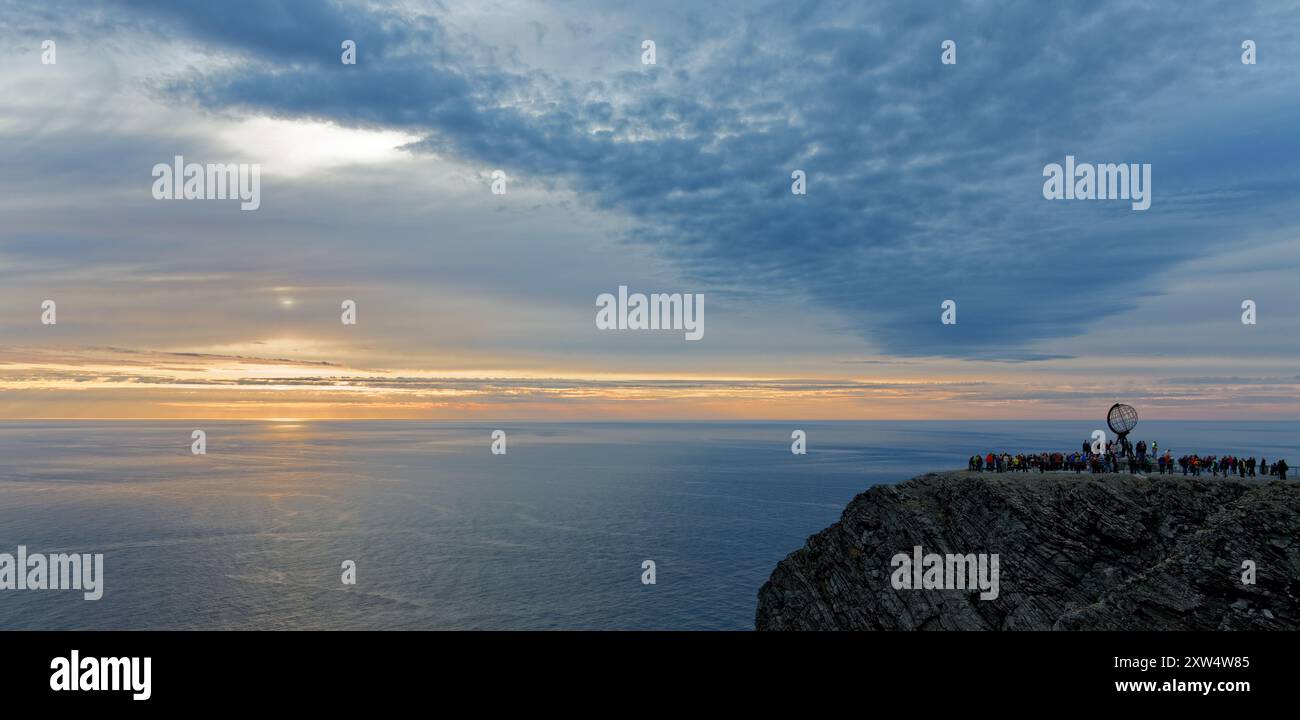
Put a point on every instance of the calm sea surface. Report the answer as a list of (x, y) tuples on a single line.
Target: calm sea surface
[(446, 535)]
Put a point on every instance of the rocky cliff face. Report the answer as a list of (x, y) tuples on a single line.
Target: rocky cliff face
[(1075, 552)]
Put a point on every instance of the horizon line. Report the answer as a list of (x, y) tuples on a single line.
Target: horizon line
[(610, 421)]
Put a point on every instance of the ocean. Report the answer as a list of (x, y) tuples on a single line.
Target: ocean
[(446, 535)]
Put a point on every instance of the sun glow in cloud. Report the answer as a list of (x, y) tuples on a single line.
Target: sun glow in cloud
[(298, 147)]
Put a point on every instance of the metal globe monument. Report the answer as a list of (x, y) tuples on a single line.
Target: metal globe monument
[(1122, 419)]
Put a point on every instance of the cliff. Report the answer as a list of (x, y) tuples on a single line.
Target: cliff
[(1075, 552)]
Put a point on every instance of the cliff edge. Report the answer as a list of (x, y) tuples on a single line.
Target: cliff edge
[(1074, 552)]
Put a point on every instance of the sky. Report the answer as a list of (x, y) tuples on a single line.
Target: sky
[(924, 183)]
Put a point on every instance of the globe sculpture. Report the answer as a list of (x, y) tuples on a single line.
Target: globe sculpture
[(1122, 419)]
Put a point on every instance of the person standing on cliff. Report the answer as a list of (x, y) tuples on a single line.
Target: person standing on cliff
[(1280, 467)]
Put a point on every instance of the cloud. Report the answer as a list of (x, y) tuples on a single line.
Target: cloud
[(924, 185), (924, 179), (76, 381)]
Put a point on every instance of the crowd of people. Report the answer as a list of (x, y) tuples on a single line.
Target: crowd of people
[(1139, 459)]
